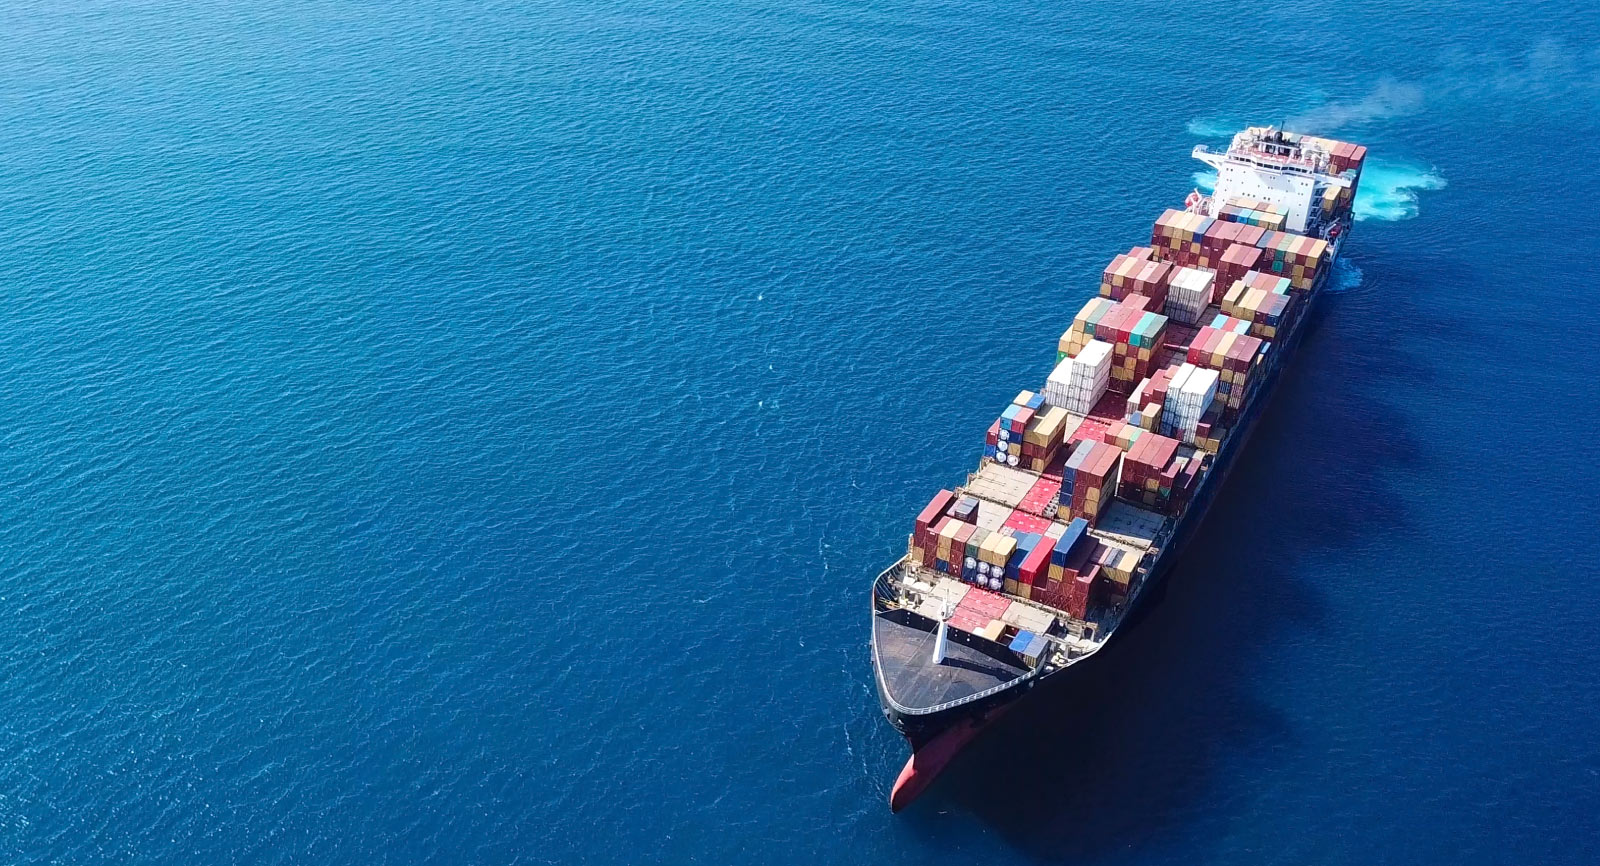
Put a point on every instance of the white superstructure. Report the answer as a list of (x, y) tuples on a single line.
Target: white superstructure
[(1267, 164)]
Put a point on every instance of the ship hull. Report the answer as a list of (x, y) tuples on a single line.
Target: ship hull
[(937, 738)]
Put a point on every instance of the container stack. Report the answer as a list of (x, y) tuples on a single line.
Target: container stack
[(978, 613), (1238, 359), (1343, 156), (1071, 572), (1262, 299), (1087, 481), (1189, 292), (1190, 395), (1079, 382), (1138, 337), (1118, 564), (1253, 212), (1009, 579), (1294, 256), (1134, 333), (1223, 236), (1082, 330), (1148, 474), (1003, 443), (1178, 237), (1236, 261), (1044, 437), (1225, 322), (1335, 202), (993, 555), (1122, 435), (1032, 570), (930, 515), (969, 555), (1144, 406), (1136, 272)]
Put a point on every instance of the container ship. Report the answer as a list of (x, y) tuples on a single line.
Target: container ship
[(1091, 484)]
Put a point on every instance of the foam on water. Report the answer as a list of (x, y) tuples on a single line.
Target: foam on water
[(1390, 190), (1346, 276)]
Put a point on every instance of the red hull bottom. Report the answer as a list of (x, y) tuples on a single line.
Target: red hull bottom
[(926, 763)]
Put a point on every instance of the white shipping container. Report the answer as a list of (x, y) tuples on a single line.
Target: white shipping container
[(1189, 293)]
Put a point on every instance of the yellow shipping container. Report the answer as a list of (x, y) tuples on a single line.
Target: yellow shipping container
[(1231, 298), (1025, 591), (986, 551), (1253, 300), (1046, 428), (1220, 353)]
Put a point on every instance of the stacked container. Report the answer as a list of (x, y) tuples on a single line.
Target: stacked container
[(1144, 406), (1122, 435), (1148, 474), (1087, 481), (1253, 212), (1262, 299), (1043, 439), (1178, 236), (1343, 156), (1082, 330), (979, 613), (1136, 272), (1225, 322), (1003, 443), (1236, 261), (1077, 383), (1189, 292), (1065, 581), (993, 555), (931, 513), (1134, 333), (1118, 564), (1238, 359), (1190, 396), (1294, 256)]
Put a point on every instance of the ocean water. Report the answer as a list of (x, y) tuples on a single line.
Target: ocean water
[(465, 432)]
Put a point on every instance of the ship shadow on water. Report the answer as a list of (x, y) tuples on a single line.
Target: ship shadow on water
[(1150, 736)]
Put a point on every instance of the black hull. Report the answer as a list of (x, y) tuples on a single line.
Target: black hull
[(919, 728)]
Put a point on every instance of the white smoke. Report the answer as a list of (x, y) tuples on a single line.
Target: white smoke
[(1552, 72), (1388, 98)]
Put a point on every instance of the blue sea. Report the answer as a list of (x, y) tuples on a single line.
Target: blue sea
[(464, 433)]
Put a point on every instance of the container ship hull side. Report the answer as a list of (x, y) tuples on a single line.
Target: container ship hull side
[(982, 680)]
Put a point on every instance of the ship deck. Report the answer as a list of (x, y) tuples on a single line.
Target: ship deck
[(904, 645)]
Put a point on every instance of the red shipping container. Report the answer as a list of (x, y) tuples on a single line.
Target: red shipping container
[(1077, 592), (938, 505), (963, 535), (1033, 567)]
